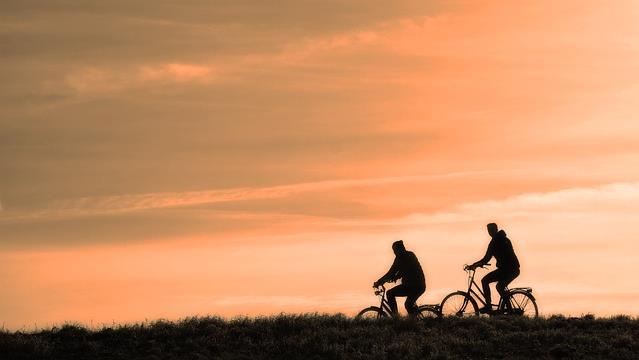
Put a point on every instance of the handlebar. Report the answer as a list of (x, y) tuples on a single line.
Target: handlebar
[(381, 289), (467, 267)]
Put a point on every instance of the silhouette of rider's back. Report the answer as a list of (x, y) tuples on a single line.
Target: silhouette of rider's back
[(507, 270), (407, 268)]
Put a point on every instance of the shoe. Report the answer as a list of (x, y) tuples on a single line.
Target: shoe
[(486, 310)]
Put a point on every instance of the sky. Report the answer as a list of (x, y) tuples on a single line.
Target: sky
[(166, 159)]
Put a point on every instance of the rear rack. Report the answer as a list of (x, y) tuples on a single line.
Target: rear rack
[(526, 289)]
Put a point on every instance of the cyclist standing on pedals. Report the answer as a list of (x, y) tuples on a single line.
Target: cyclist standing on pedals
[(507, 265), (407, 268)]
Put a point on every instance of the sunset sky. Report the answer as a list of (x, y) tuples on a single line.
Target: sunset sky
[(163, 159)]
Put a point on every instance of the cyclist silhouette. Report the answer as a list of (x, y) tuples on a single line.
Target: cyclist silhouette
[(507, 264), (407, 268)]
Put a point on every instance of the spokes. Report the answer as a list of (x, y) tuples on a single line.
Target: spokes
[(427, 311), (371, 313), (523, 304), (458, 304)]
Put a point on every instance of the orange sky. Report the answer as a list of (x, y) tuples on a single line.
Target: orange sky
[(167, 160)]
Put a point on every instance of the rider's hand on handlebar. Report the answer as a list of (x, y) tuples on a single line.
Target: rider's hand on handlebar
[(475, 266)]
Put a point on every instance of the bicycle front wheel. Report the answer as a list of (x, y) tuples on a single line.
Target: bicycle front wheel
[(459, 304), (523, 303), (372, 312), (428, 311)]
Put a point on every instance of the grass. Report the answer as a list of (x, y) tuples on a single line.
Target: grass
[(313, 336)]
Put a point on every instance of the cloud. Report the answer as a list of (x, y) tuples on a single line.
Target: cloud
[(161, 29), (91, 206), (609, 202), (354, 73), (304, 212), (100, 80), (176, 72), (609, 197), (124, 46), (306, 52)]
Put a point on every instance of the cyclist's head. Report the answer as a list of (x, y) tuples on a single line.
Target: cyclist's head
[(398, 247), (492, 229)]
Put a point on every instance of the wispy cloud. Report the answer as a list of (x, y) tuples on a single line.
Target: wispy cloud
[(618, 198), (139, 202), (100, 80), (88, 80), (582, 199), (176, 72)]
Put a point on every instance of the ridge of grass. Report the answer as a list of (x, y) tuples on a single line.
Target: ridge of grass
[(316, 336)]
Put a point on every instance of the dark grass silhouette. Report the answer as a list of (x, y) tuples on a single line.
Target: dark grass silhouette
[(334, 337)]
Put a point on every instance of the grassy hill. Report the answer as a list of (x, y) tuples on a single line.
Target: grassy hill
[(334, 337)]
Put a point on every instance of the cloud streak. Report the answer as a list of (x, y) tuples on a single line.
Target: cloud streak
[(99, 80), (609, 198), (105, 205)]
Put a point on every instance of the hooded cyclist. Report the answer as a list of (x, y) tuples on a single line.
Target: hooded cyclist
[(507, 264), (407, 268)]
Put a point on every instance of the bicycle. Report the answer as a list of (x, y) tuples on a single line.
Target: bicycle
[(517, 301), (384, 310)]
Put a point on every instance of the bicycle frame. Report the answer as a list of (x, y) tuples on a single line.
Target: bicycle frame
[(503, 300), (513, 301), (476, 294), (383, 303)]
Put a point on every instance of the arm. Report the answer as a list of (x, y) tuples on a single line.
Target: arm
[(390, 275), (483, 261)]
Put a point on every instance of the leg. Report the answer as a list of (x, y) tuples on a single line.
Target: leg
[(491, 277), (411, 299), (399, 290), (505, 279)]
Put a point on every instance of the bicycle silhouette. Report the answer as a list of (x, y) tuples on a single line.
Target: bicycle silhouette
[(517, 301), (384, 310)]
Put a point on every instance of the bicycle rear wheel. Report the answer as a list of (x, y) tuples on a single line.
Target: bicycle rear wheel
[(372, 312), (523, 304), (459, 304)]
